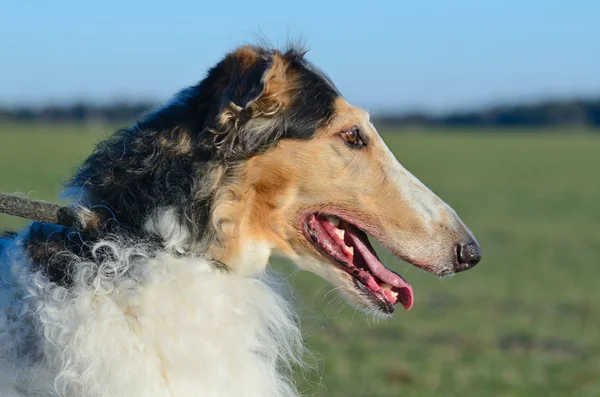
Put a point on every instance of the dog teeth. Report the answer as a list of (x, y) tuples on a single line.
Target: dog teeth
[(386, 286), (394, 294), (334, 220), (341, 233), (349, 250)]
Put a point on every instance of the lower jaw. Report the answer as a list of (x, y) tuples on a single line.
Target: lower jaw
[(373, 299), (383, 305)]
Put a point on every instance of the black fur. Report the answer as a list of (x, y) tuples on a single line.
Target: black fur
[(53, 248), (171, 155), (249, 86), (313, 103)]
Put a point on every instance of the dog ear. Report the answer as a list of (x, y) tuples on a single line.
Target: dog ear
[(258, 87), (250, 85)]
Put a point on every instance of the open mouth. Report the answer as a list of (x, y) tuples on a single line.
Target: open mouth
[(349, 249)]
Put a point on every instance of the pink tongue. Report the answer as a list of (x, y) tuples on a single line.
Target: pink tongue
[(378, 269)]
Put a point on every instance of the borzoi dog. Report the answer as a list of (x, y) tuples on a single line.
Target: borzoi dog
[(161, 289)]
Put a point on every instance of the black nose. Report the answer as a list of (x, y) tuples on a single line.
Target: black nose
[(467, 256)]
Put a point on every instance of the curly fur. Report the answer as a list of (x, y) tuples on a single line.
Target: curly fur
[(132, 303), (141, 325)]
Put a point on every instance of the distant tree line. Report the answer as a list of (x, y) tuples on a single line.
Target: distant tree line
[(80, 112), (582, 113)]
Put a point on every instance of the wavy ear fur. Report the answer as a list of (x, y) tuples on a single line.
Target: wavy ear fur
[(259, 89), (250, 85)]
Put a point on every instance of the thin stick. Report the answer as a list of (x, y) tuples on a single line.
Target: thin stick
[(27, 208), (37, 210)]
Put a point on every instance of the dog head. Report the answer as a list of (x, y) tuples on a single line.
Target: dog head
[(264, 156)]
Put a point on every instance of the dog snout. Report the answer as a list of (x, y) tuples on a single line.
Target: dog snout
[(467, 256)]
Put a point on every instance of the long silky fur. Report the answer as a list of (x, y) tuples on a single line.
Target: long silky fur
[(135, 325), (131, 306)]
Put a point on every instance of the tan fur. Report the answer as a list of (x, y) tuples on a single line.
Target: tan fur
[(279, 83), (273, 190), (178, 143)]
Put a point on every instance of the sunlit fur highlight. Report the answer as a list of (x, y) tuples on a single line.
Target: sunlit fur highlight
[(163, 288), (136, 325)]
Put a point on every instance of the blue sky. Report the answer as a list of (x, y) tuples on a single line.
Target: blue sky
[(402, 54)]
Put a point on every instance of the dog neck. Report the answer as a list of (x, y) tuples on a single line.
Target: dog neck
[(245, 256)]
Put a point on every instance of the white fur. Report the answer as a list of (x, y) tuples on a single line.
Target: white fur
[(163, 223), (420, 198), (137, 325)]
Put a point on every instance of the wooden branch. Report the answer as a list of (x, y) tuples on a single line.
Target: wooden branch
[(38, 210)]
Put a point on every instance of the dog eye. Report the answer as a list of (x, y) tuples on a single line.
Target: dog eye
[(352, 137)]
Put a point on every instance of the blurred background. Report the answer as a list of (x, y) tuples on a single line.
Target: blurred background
[(494, 105)]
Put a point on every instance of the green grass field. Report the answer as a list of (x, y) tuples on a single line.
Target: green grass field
[(524, 322)]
